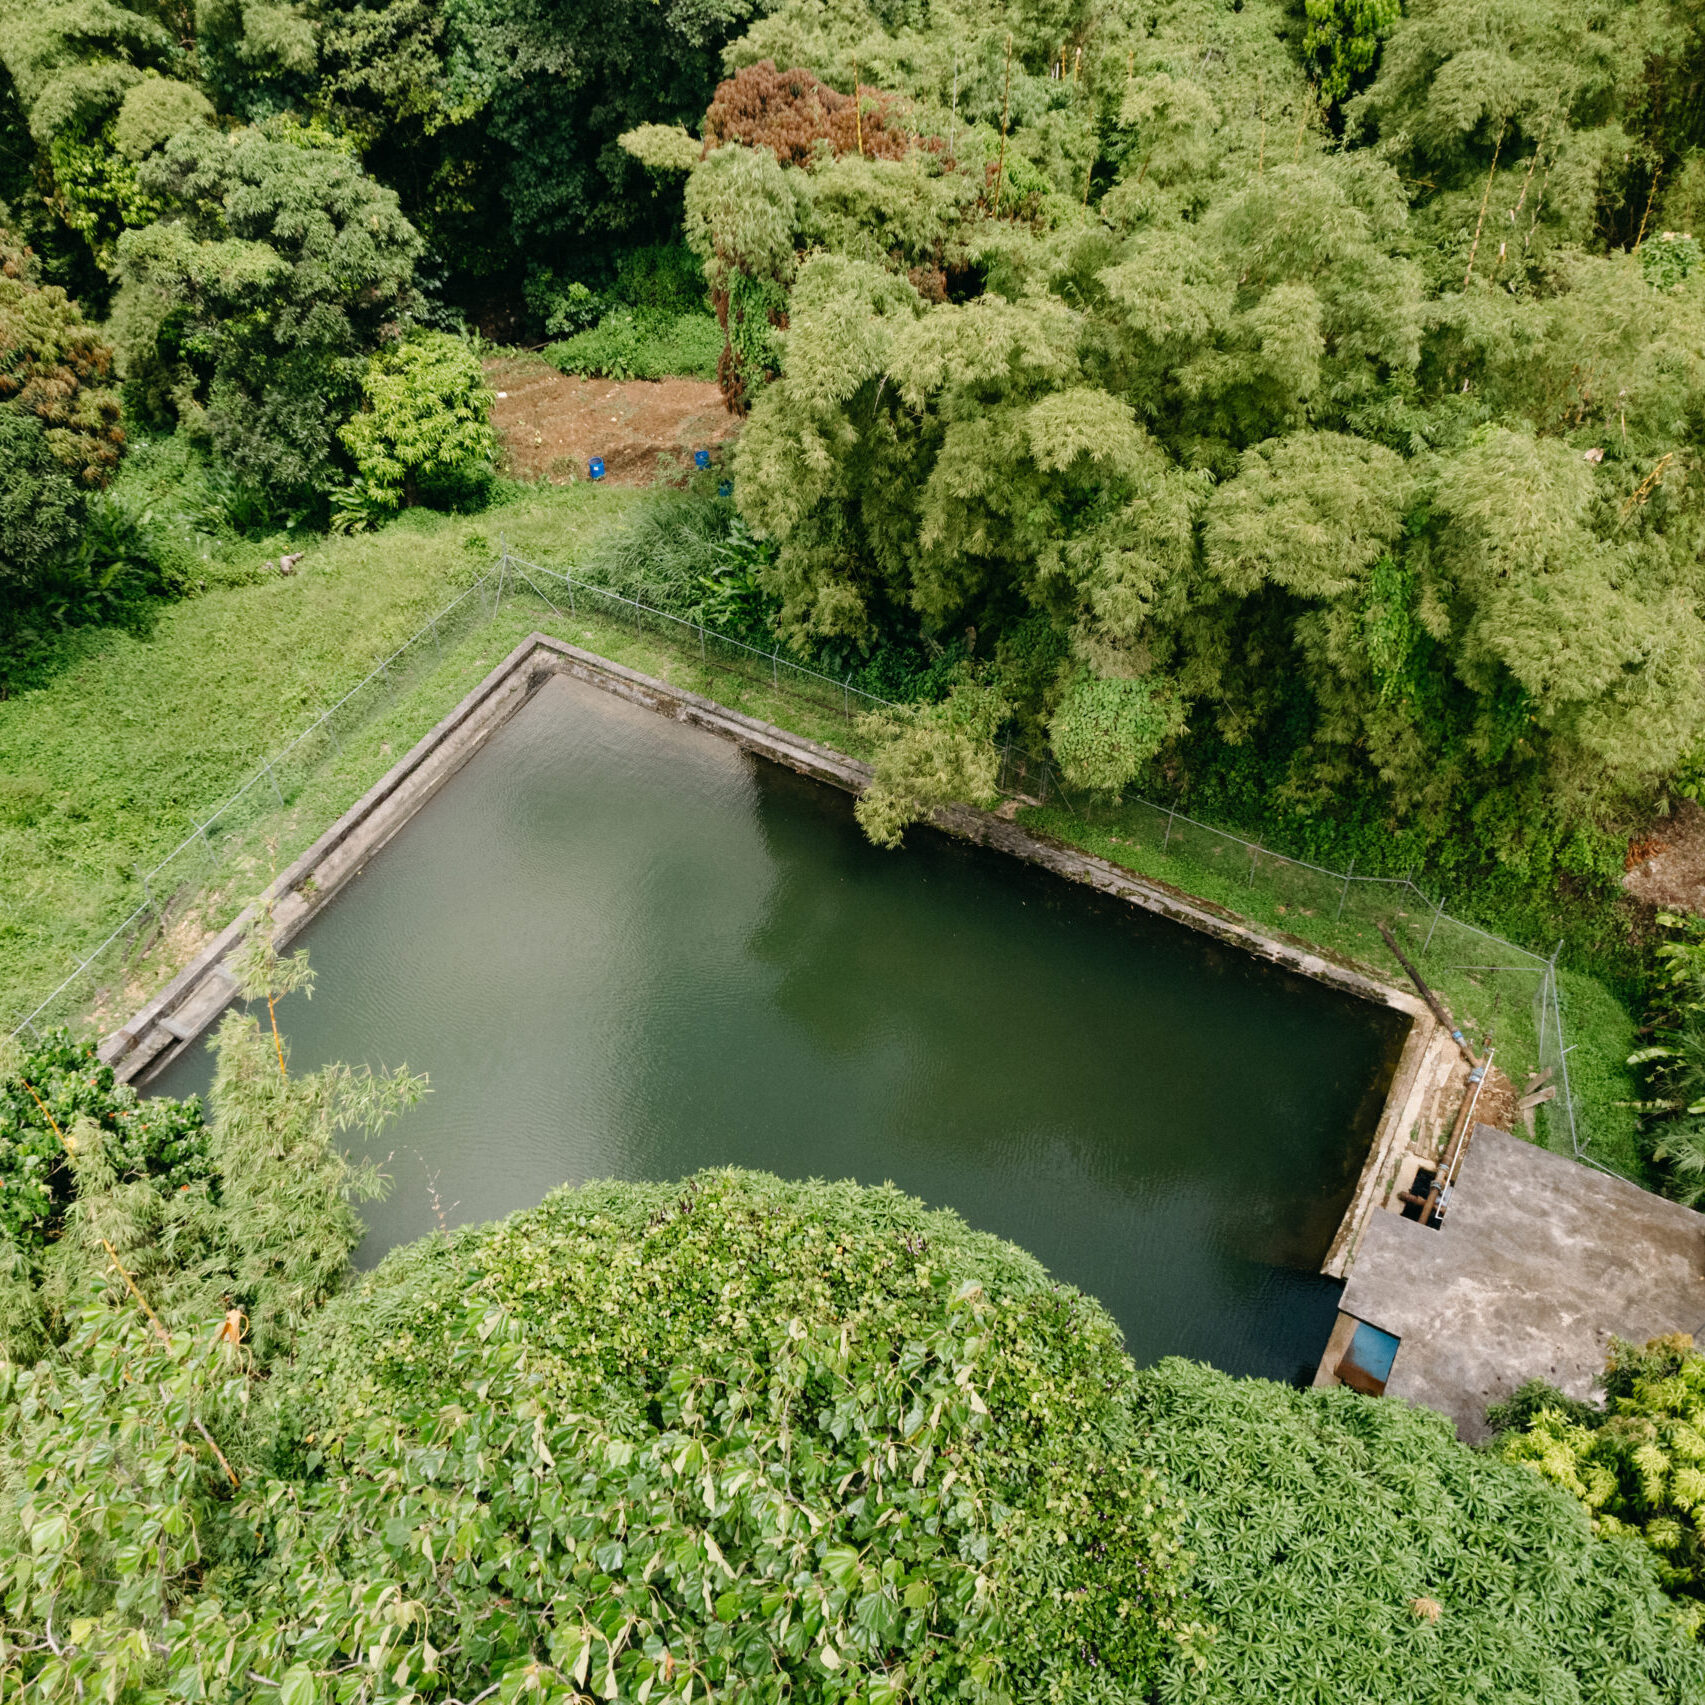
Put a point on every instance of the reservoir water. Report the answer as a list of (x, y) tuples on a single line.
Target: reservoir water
[(620, 947)]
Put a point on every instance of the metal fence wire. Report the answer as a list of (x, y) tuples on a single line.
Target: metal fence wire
[(1517, 986)]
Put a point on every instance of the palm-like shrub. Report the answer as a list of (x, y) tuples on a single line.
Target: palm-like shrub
[(1347, 1548), (1638, 1465)]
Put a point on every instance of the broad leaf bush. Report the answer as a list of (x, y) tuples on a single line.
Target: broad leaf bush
[(747, 1439), (759, 1438), (425, 435), (735, 1437), (1106, 731)]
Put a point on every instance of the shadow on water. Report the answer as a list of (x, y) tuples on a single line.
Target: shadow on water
[(620, 947)]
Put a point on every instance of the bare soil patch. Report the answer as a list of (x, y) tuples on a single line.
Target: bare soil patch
[(1666, 864), (552, 425)]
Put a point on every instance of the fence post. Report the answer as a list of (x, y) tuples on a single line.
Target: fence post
[(207, 846), (1254, 853), (1167, 839), (570, 579), (277, 790), (436, 645), (147, 892), (1346, 894), (1438, 913), (1044, 798)]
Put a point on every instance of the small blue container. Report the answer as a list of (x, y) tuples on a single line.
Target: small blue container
[(725, 490), (596, 467), (1373, 1350), (701, 458)]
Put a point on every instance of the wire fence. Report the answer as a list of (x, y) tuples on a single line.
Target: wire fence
[(1492, 984), (1335, 908)]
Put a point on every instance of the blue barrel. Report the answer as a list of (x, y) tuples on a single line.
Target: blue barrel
[(701, 458), (596, 467)]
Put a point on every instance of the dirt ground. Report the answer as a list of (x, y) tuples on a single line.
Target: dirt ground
[(552, 425), (1666, 865)]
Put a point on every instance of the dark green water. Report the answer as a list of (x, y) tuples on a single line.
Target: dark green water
[(620, 947)]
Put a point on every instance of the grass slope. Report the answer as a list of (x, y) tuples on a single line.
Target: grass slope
[(133, 740)]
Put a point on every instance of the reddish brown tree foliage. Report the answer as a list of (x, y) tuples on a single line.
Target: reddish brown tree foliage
[(794, 113)]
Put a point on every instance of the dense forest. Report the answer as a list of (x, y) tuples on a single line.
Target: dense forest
[(1302, 399)]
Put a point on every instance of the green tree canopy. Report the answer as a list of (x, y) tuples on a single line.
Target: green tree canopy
[(248, 312), (1232, 427)]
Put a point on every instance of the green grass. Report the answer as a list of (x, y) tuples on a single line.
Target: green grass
[(626, 345), (134, 741)]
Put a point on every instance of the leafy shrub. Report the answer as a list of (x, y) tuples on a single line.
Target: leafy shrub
[(1668, 258), (1347, 1548), (771, 1441), (692, 555), (105, 557), (1637, 1465), (254, 1213), (1674, 1063), (631, 345), (1105, 731), (99, 186), (425, 435), (62, 1082), (930, 755), (657, 281), (661, 278), (1342, 39), (738, 1437)]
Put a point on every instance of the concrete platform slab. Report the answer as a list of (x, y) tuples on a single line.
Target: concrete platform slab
[(1539, 1264)]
